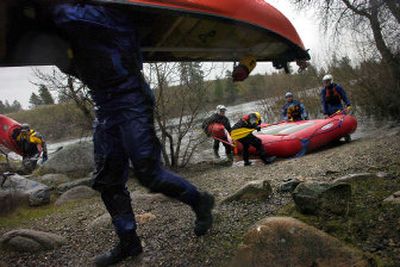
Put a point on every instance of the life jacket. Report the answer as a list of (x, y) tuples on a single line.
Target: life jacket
[(30, 143), (332, 96), (294, 112)]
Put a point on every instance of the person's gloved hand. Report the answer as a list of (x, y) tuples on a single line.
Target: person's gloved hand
[(44, 158), (242, 71), (258, 128), (349, 110)]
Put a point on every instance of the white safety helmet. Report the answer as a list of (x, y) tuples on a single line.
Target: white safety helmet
[(327, 77), (25, 127), (221, 108), (288, 94)]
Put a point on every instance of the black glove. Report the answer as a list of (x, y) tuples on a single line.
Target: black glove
[(258, 128)]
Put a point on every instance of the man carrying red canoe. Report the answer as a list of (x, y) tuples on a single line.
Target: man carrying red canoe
[(219, 118)]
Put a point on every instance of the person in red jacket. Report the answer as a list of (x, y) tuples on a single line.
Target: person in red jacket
[(219, 117)]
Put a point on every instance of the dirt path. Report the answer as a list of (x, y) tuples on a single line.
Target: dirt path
[(169, 239)]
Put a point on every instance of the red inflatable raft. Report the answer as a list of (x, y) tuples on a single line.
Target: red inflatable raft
[(293, 139), (7, 127)]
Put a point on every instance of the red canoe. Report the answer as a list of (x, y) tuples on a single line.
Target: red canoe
[(7, 127), (176, 30), (289, 139), (216, 130)]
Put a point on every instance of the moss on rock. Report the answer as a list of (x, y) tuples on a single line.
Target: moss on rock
[(369, 225)]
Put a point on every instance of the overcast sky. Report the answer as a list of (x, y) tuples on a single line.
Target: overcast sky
[(15, 82)]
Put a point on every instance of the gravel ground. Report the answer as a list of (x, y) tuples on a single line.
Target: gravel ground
[(169, 240)]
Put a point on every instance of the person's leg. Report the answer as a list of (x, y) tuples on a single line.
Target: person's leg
[(257, 144), (143, 148), (245, 153), (228, 151), (216, 148), (110, 180)]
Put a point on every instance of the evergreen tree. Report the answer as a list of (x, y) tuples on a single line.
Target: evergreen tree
[(16, 106), (45, 95), (35, 100), (2, 107), (218, 90), (230, 88)]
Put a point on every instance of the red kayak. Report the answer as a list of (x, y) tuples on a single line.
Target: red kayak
[(7, 127), (218, 132), (294, 139)]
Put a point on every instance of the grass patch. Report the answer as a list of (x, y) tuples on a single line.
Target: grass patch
[(25, 215)]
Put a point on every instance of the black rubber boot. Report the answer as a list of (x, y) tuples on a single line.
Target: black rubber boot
[(203, 210), (268, 160), (129, 246), (247, 163)]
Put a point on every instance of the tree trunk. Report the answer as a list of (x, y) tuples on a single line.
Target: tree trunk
[(394, 7), (385, 52)]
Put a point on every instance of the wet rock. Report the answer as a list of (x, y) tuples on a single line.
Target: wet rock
[(289, 185), (62, 188), (104, 222), (394, 199), (74, 160), (79, 192), (38, 193), (254, 190), (9, 201), (285, 241), (361, 177), (315, 197), (30, 241), (53, 179)]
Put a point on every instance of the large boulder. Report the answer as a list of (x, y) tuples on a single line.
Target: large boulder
[(74, 160), (285, 241), (9, 201), (393, 199), (62, 188), (53, 179), (289, 185), (315, 197), (254, 190), (356, 178), (30, 241), (38, 193), (79, 192)]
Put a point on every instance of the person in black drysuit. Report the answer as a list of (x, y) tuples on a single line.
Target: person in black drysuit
[(219, 117), (251, 121), (107, 58), (31, 145)]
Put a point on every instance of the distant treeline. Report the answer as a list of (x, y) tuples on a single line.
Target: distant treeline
[(6, 107), (368, 85)]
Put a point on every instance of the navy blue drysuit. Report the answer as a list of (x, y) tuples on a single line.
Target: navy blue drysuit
[(332, 97), (107, 58)]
